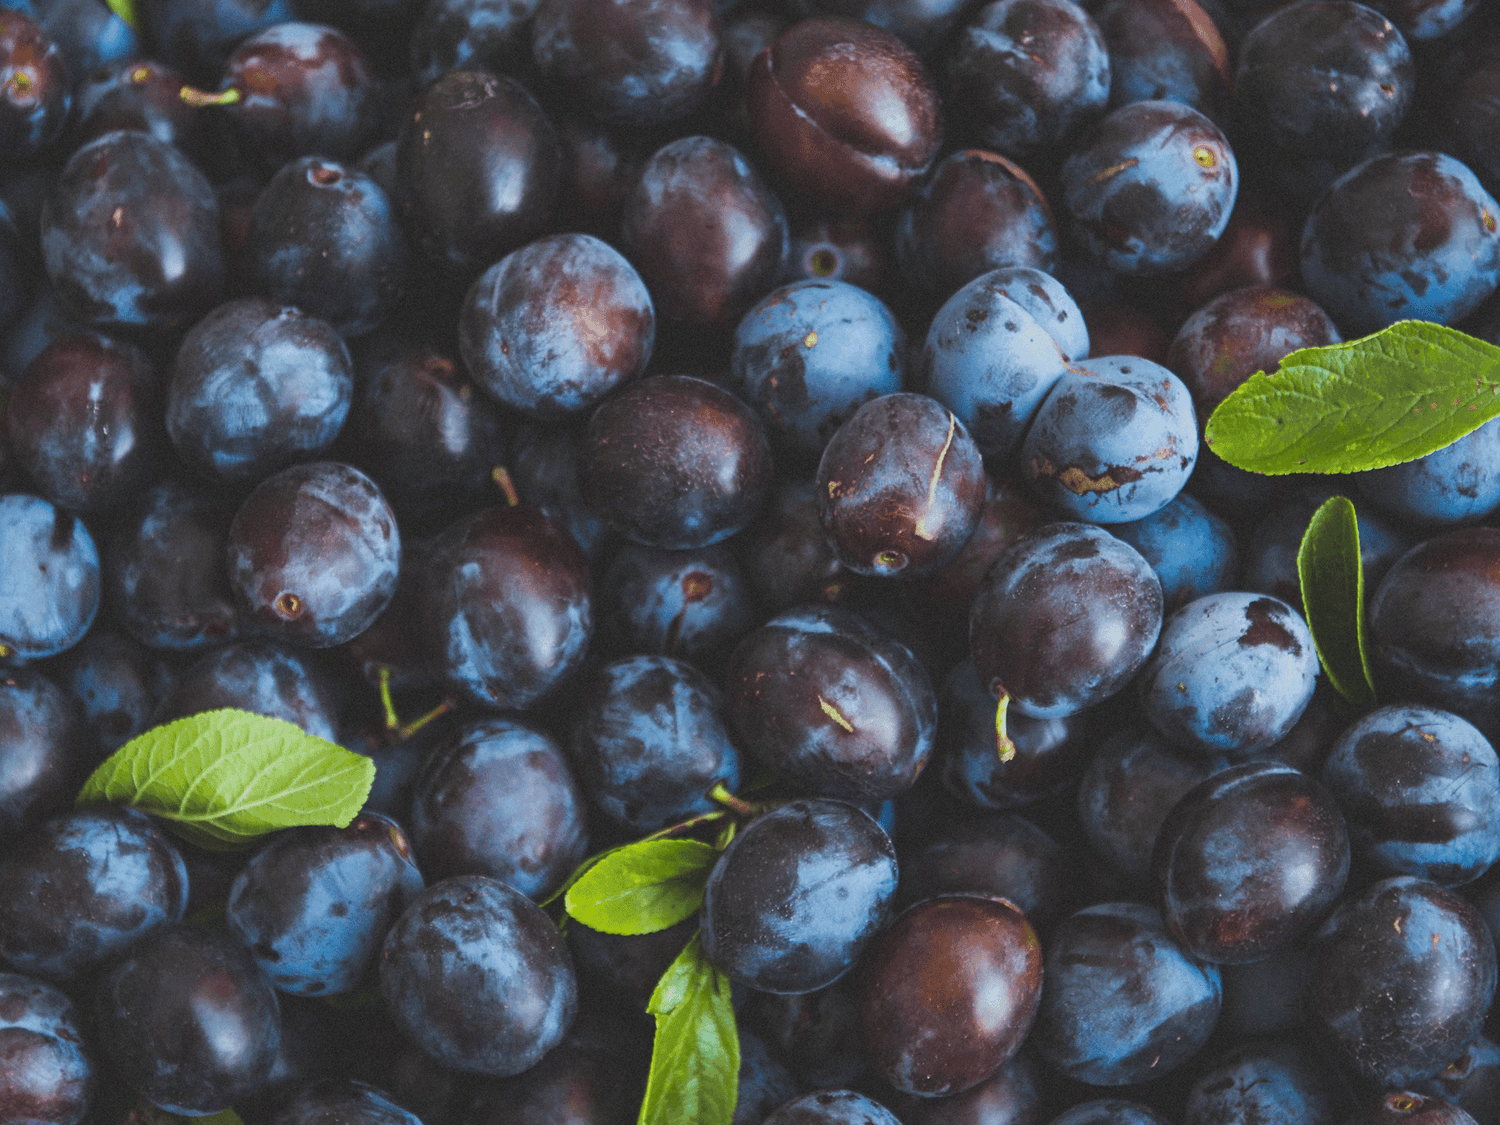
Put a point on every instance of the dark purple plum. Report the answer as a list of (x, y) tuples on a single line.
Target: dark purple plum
[(690, 605), (46, 751), (1108, 1111), (117, 681), (145, 95), (50, 1075), (341, 1102), (1013, 1095), (37, 93), (1267, 1083), (50, 584), (797, 895), (197, 38), (478, 977), (260, 676), (832, 1107), (1459, 483), (492, 35), (1166, 49)]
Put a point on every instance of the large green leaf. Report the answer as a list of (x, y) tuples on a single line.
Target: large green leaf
[(1402, 393), (695, 1057), (1333, 597), (642, 887), (223, 778)]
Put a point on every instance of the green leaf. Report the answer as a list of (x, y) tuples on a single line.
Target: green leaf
[(1402, 393), (125, 9), (695, 1057), (1333, 597), (222, 778), (642, 887)]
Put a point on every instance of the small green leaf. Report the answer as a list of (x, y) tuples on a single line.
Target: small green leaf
[(695, 1057), (642, 887), (1402, 393), (125, 9), (222, 778), (1333, 597)]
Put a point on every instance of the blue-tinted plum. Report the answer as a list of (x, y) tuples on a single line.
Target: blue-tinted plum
[(46, 750), (832, 1107), (1421, 20), (259, 676), (197, 38), (36, 95), (50, 584), (314, 904), (901, 486), (1403, 236), (83, 887), (1267, 1083), (1048, 753), (1064, 619), (188, 1019), (118, 682), (687, 604), (1248, 861), (1114, 441), (629, 62), (313, 554), (1471, 1081), (341, 1102), (1123, 1002), (130, 235), (555, 326), (650, 742), (505, 606), (497, 798), (975, 213), (1435, 619), (544, 469), (1403, 1107), (675, 461), (324, 237), (164, 570), (138, 93), (49, 1077), (1026, 74), (991, 362), (1193, 551), (764, 1083), (479, 977), (1129, 788), (1166, 50), (1327, 78), (705, 231), (1457, 484), (1151, 188), (464, 134), (797, 895), (950, 991), (493, 35), (82, 422), (1402, 975), (1014, 1095), (1232, 674), (810, 353), (1421, 789), (1108, 1111), (831, 705), (256, 386)]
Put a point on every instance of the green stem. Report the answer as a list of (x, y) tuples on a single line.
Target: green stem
[(392, 721), (737, 805), (417, 724), (202, 99)]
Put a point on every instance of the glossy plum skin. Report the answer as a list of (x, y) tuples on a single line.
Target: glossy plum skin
[(1406, 235), (130, 235), (255, 675), (1192, 550), (1151, 188), (1114, 440), (849, 152), (831, 704), (1169, 49), (555, 326), (1123, 1001), (1421, 788), (991, 360), (46, 750), (810, 353), (36, 94), (341, 1102), (118, 683), (797, 895), (650, 742), (1402, 975), (1108, 1111), (1248, 861), (675, 461), (1064, 619), (313, 904), (691, 605), (1273, 1084), (188, 1018), (1459, 483), (50, 1076), (256, 386), (478, 977), (950, 991), (50, 585), (901, 486), (83, 887), (1434, 619), (1232, 674), (496, 797), (506, 606), (832, 1107), (629, 62)]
